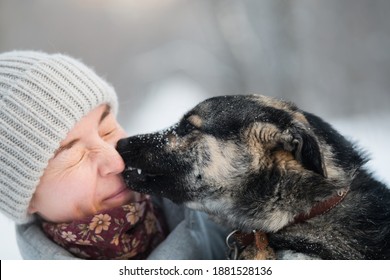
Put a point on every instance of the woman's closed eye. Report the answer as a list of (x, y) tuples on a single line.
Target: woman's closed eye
[(108, 127), (108, 133), (73, 156)]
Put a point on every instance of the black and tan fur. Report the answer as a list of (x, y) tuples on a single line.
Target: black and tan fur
[(256, 162)]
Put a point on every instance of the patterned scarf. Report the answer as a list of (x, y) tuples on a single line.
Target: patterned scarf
[(131, 231)]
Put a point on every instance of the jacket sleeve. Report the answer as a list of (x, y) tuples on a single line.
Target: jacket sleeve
[(193, 236)]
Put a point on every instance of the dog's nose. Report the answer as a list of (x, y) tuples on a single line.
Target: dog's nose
[(122, 145)]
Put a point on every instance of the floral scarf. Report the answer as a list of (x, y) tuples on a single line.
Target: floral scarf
[(131, 231)]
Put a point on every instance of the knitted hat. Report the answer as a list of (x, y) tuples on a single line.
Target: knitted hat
[(42, 97)]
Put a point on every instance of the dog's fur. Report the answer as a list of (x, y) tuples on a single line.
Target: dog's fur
[(257, 163)]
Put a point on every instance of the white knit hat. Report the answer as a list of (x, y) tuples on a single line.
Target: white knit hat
[(42, 97)]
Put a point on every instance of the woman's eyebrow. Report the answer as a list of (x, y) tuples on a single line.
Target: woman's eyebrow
[(66, 146), (106, 112)]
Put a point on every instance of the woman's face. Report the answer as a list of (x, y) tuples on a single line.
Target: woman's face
[(84, 176)]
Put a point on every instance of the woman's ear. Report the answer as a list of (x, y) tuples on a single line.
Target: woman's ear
[(305, 148)]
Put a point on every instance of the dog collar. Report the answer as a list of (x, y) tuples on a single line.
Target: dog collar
[(236, 241), (321, 207)]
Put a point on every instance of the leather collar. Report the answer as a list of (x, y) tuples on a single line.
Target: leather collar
[(243, 239), (321, 207)]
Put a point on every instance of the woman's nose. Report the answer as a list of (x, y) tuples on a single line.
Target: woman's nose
[(111, 162)]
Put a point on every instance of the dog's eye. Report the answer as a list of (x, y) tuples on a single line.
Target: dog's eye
[(185, 128)]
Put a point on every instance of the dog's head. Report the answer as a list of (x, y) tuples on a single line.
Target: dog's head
[(235, 153)]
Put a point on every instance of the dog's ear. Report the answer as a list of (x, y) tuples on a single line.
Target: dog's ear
[(305, 148)]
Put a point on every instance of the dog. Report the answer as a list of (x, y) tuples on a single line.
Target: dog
[(260, 164)]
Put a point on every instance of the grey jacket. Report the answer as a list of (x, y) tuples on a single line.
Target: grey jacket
[(192, 236)]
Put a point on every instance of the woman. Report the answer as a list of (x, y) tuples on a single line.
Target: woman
[(60, 174)]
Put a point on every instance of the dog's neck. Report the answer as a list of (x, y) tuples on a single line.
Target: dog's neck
[(321, 207), (244, 239)]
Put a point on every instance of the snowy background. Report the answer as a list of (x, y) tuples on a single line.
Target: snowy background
[(330, 57)]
